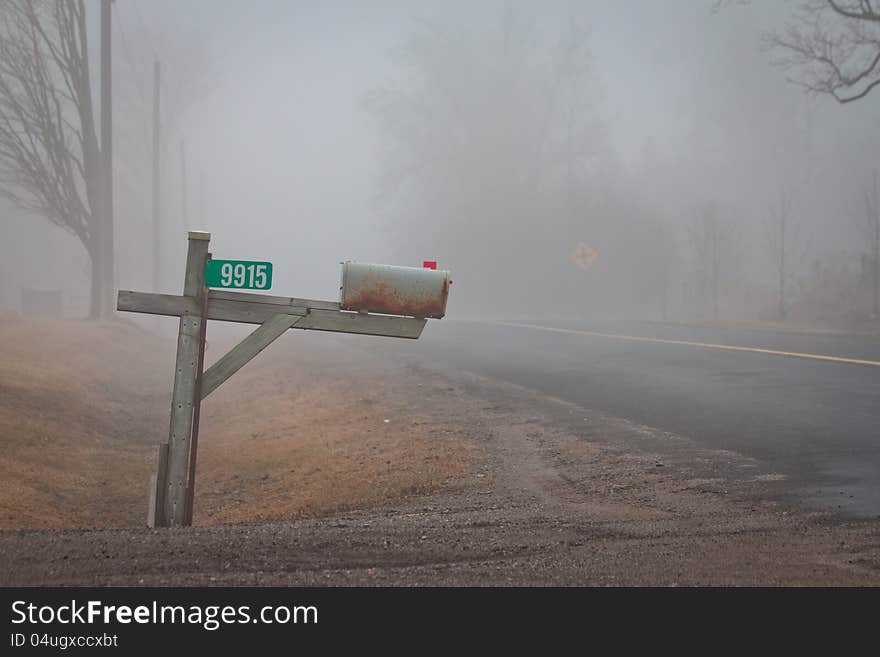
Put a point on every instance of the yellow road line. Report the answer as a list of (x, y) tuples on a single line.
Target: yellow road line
[(706, 345)]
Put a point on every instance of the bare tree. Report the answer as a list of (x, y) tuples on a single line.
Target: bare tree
[(834, 45), (665, 256), (778, 239), (496, 132), (714, 254), (49, 152), (788, 248)]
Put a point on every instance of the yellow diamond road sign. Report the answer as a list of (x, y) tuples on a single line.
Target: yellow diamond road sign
[(584, 256)]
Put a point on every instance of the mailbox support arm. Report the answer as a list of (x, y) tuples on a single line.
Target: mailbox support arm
[(239, 355)]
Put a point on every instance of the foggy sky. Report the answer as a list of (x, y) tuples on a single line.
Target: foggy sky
[(283, 157)]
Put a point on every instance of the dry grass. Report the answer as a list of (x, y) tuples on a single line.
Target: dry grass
[(75, 421), (287, 436), (313, 442)]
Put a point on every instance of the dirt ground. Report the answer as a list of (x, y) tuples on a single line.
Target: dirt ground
[(320, 464)]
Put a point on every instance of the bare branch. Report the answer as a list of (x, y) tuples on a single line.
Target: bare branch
[(834, 47), (48, 149), (861, 10)]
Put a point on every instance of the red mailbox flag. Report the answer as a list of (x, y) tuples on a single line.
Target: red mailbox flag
[(429, 264)]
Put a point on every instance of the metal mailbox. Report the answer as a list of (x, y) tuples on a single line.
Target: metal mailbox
[(393, 290)]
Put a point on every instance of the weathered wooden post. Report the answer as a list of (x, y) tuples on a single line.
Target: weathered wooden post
[(170, 507)]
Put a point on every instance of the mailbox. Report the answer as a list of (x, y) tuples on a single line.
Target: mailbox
[(392, 290)]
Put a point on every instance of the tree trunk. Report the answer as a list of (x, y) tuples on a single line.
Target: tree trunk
[(876, 312), (97, 289), (106, 166), (716, 265), (782, 270)]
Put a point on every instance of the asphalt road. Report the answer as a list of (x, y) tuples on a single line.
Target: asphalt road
[(814, 420)]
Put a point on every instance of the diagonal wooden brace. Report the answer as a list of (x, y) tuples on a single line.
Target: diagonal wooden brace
[(253, 344)]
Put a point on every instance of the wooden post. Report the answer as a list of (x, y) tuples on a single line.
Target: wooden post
[(197, 406), (156, 509), (183, 397)]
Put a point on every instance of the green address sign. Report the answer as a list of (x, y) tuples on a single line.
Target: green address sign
[(239, 274)]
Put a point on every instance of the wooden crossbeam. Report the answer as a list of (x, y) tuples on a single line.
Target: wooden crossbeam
[(257, 309), (274, 300), (348, 322)]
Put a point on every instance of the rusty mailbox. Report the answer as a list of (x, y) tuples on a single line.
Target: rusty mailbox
[(393, 290)]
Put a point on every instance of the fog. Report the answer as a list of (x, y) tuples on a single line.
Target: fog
[(493, 137)]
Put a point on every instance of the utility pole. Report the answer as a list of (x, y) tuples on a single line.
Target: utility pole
[(783, 216), (874, 222), (664, 282), (200, 213), (107, 160), (157, 257), (183, 181), (715, 266)]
